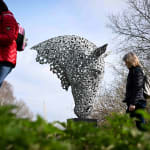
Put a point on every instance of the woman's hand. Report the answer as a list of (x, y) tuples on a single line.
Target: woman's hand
[(131, 107)]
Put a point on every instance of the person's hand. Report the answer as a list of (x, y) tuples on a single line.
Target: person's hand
[(131, 107)]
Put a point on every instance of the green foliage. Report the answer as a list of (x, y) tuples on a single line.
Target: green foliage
[(118, 133)]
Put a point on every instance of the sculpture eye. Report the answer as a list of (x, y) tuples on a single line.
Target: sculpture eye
[(96, 73)]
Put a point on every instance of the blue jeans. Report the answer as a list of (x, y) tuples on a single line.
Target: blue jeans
[(4, 71)]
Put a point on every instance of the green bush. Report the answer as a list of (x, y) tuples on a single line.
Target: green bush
[(118, 133)]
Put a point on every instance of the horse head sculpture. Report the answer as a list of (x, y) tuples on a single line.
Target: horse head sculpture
[(78, 63)]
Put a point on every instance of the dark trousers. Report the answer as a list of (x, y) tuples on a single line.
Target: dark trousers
[(140, 119), (4, 71)]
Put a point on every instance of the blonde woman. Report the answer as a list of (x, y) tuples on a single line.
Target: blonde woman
[(134, 97)]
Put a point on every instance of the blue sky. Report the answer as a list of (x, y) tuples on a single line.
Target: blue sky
[(34, 83)]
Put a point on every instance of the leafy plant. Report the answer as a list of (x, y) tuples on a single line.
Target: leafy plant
[(118, 132)]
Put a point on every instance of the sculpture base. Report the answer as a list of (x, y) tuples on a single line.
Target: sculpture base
[(93, 121)]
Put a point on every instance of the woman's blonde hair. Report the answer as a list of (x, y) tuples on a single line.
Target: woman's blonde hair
[(132, 59)]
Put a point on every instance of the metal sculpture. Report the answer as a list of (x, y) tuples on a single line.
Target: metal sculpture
[(78, 63)]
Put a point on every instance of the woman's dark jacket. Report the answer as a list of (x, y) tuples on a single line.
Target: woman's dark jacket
[(134, 86)]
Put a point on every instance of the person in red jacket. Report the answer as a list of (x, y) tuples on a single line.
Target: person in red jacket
[(8, 36)]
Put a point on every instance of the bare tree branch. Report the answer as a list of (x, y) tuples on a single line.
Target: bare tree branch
[(7, 97), (132, 27)]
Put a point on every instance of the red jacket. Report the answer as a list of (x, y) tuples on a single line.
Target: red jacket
[(8, 36)]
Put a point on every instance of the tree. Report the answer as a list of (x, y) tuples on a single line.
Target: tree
[(6, 94), (23, 111), (7, 97), (132, 27)]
